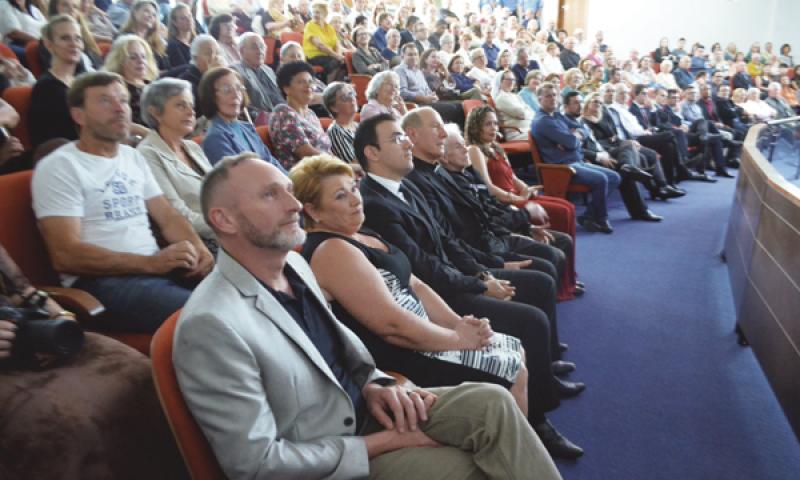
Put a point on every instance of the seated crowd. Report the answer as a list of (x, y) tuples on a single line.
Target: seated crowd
[(184, 167)]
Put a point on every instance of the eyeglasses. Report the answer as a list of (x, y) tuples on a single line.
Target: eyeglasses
[(399, 138), (345, 96), (229, 89)]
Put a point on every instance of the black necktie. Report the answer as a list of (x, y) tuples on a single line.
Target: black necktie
[(408, 197)]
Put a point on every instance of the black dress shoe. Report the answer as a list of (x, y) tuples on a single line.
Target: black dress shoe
[(635, 173), (563, 347), (648, 216), (665, 193), (705, 178), (733, 163), (591, 225), (578, 291), (555, 443), (604, 226), (567, 389), (560, 367), (688, 175), (724, 174)]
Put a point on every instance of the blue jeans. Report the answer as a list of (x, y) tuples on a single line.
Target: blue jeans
[(136, 303), (602, 181)]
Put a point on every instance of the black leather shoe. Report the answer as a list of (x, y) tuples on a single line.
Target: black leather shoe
[(555, 443), (673, 188), (567, 389), (733, 163), (705, 178), (688, 175), (724, 174), (648, 216), (560, 367), (635, 173), (563, 347), (593, 225), (578, 291)]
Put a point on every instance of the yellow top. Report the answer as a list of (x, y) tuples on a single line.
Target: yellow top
[(326, 35)]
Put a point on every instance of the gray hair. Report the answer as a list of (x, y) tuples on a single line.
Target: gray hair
[(330, 93), (447, 38), (452, 130), (198, 42), (288, 45), (157, 94), (377, 82), (243, 38)]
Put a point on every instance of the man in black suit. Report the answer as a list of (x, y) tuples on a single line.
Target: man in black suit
[(421, 37), (731, 114), (624, 161), (569, 57), (396, 209)]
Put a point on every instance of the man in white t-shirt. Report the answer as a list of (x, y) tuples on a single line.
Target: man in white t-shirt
[(93, 198)]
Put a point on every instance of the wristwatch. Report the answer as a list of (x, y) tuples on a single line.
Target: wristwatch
[(484, 275), (37, 299)]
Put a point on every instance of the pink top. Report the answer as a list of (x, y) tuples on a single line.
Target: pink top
[(372, 108)]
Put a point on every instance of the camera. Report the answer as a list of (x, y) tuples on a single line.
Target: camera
[(37, 333)]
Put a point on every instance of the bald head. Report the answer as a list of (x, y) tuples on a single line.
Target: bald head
[(426, 131)]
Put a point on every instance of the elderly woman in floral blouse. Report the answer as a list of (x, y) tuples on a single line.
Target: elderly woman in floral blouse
[(294, 128)]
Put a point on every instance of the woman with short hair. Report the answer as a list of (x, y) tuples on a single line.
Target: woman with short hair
[(130, 56), (294, 128), (383, 96), (367, 60), (223, 29), (514, 114), (222, 98), (321, 44), (340, 100), (178, 163)]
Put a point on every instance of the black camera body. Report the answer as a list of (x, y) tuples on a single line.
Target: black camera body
[(37, 333)]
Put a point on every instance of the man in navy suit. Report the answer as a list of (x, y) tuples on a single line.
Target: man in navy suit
[(684, 77), (559, 143)]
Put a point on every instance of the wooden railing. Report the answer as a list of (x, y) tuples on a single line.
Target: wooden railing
[(762, 249)]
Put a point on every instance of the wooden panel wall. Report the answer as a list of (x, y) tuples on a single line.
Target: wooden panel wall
[(762, 248)]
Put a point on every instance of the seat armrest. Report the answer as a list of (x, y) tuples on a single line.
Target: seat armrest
[(555, 178), (83, 304)]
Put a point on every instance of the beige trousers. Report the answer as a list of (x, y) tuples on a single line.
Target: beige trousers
[(484, 436)]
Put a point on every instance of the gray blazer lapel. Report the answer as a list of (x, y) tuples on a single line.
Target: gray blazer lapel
[(249, 286)]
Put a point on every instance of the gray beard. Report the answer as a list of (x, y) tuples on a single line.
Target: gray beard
[(275, 240)]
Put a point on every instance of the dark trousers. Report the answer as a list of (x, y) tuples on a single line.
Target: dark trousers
[(333, 69), (712, 147), (626, 154), (451, 112), (522, 248), (532, 327), (665, 144)]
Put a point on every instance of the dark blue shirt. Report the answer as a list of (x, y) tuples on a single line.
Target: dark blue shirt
[(491, 51), (312, 317), (553, 135), (463, 82)]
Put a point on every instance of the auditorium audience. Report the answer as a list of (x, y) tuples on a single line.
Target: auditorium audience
[(404, 324), (480, 72), (410, 223), (220, 374), (222, 99), (92, 56), (569, 57), (178, 164), (272, 20), (528, 92), (414, 87), (21, 21), (392, 50), (551, 62), (206, 55), (294, 128), (99, 24), (100, 239), (758, 109), (383, 96)]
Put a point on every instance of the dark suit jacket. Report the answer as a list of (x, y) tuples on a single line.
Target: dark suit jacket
[(444, 210), (500, 214), (435, 258), (711, 116), (742, 80), (569, 59), (642, 116), (605, 131)]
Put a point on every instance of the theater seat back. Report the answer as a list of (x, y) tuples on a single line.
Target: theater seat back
[(196, 451)]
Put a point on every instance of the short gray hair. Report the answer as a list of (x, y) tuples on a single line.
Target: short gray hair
[(291, 44), (377, 82), (198, 42), (157, 94), (330, 93), (243, 38)]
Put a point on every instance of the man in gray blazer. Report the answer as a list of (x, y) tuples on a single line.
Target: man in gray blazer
[(281, 389)]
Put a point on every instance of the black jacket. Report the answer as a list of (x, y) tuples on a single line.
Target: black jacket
[(435, 258)]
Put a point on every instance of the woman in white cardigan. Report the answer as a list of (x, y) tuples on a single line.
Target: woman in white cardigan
[(178, 165), (513, 114)]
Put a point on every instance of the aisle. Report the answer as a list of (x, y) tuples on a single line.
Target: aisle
[(670, 393)]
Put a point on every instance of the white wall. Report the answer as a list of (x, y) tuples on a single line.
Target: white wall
[(640, 24)]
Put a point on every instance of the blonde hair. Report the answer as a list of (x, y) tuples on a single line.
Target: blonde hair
[(307, 176), (589, 98), (153, 36), (570, 74), (115, 61)]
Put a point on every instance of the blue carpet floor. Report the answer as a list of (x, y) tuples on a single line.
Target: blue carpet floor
[(670, 393)]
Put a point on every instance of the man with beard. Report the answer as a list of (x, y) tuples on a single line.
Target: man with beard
[(281, 389), (93, 198)]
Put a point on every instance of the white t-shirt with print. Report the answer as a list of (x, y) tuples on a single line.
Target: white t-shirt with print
[(108, 194)]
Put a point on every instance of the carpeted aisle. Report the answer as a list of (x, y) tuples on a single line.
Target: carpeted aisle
[(670, 393)]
